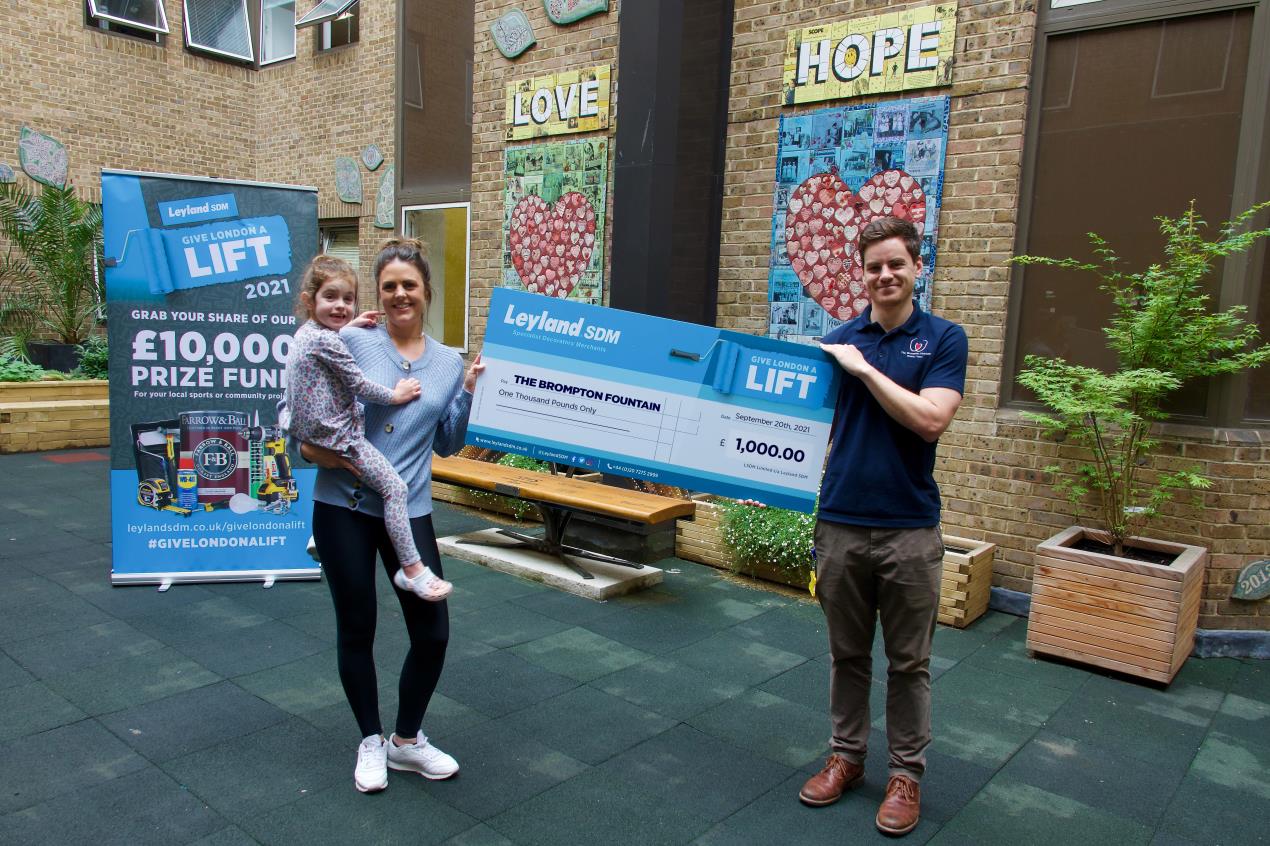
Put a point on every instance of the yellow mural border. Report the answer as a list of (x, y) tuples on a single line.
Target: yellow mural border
[(521, 122), (859, 45)]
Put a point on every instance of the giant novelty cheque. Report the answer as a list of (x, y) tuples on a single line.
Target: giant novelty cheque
[(654, 399), (201, 277)]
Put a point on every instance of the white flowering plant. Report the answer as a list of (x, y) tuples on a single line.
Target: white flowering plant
[(774, 536)]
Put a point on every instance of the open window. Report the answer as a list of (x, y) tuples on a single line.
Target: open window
[(219, 27), (325, 11), (277, 30), (139, 18), (336, 23)]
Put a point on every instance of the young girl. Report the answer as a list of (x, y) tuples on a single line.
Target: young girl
[(323, 384)]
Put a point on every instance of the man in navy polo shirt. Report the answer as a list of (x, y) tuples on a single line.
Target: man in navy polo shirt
[(878, 546)]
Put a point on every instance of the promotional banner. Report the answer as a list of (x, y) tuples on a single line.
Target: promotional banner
[(836, 170), (201, 284), (553, 218), (655, 399)]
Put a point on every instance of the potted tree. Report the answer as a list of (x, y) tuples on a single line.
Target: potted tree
[(1108, 596), (49, 291)]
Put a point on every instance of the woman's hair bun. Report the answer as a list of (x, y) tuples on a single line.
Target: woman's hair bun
[(402, 243)]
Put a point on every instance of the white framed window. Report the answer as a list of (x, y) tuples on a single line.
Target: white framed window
[(277, 30), (339, 239), (446, 228), (325, 12), (219, 27), (145, 15)]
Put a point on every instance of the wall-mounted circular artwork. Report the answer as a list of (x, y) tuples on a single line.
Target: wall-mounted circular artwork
[(348, 179), (512, 33), (43, 158)]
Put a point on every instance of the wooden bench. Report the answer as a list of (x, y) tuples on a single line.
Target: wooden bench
[(557, 499)]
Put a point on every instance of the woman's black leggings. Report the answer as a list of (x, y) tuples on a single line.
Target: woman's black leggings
[(347, 542)]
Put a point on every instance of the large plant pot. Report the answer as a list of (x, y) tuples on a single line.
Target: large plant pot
[(1130, 616), (53, 356)]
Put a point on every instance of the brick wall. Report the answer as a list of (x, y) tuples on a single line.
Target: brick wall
[(119, 102), (589, 42), (990, 460)]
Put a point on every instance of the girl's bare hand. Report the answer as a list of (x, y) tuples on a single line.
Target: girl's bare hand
[(473, 373)]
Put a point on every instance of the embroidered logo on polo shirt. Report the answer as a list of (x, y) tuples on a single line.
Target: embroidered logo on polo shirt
[(917, 348)]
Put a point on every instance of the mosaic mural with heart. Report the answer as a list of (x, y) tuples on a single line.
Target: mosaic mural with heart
[(837, 168), (551, 246), (822, 232)]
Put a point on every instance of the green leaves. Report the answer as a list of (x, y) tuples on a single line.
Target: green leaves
[(1163, 334), (47, 282)]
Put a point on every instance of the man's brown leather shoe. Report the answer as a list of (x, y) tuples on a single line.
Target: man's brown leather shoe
[(901, 809), (826, 786)]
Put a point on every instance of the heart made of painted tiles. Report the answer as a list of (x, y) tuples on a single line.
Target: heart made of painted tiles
[(822, 233), (551, 246)]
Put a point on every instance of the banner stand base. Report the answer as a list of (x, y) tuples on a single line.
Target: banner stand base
[(166, 580)]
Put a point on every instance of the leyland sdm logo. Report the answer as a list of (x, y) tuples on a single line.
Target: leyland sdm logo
[(215, 459)]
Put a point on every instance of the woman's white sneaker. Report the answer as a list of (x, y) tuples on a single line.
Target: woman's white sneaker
[(371, 774), (421, 757)]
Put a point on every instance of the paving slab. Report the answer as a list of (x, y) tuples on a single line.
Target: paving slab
[(1011, 811), (64, 760), (149, 805), (115, 685), (588, 724), (696, 773), (609, 810), (502, 767), (186, 722), (688, 712), (579, 654), (253, 773), (670, 688), (491, 549)]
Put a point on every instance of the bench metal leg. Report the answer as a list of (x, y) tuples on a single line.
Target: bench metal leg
[(554, 522)]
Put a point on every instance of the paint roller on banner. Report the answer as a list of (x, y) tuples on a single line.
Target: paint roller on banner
[(211, 254), (765, 374)]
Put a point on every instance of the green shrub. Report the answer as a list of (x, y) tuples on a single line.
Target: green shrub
[(1164, 334), (94, 358), (14, 369), (774, 536)]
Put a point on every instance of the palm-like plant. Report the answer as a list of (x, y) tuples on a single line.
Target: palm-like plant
[(1163, 334), (48, 287)]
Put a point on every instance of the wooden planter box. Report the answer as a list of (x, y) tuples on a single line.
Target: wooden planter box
[(966, 585), (54, 415), (1130, 616), (963, 593)]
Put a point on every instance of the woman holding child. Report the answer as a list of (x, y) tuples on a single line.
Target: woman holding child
[(427, 398)]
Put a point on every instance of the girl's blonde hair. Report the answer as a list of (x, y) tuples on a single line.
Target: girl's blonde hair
[(321, 270)]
